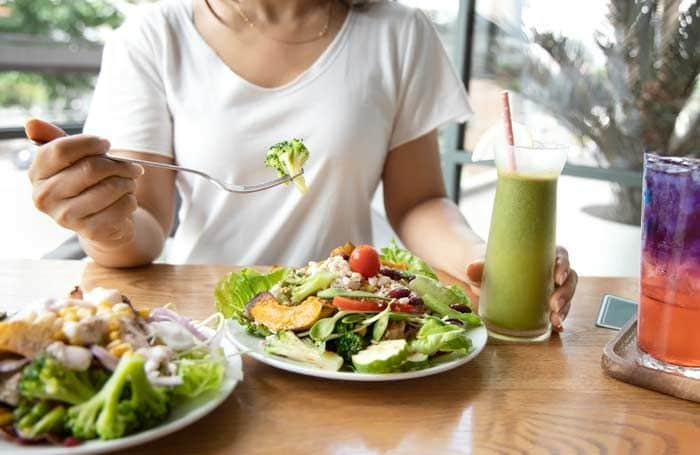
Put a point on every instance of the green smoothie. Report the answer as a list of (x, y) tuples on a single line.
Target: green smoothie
[(518, 273)]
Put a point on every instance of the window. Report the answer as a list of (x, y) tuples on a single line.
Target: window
[(596, 77)]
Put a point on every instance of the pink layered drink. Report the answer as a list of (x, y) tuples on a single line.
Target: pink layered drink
[(669, 312)]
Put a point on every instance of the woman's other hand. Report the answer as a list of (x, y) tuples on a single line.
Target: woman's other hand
[(79, 187), (565, 281)]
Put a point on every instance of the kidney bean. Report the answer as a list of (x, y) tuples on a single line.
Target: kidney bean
[(396, 275), (398, 293), (462, 308), (415, 301)]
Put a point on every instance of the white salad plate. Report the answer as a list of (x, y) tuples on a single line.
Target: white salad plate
[(253, 346), (181, 416)]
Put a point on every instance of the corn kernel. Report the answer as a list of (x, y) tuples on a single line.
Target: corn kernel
[(114, 335), (83, 313), (121, 349), (113, 323), (144, 312), (124, 314), (113, 343), (103, 307), (120, 307)]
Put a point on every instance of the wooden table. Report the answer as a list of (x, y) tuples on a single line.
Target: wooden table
[(546, 398)]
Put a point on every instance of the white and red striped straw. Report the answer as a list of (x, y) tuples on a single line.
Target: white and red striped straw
[(508, 125)]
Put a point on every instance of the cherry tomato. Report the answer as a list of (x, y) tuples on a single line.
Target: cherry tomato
[(368, 306), (365, 261)]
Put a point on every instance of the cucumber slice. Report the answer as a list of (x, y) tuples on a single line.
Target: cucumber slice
[(416, 361), (383, 357)]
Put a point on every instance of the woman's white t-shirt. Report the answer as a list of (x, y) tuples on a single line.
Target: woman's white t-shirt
[(384, 80)]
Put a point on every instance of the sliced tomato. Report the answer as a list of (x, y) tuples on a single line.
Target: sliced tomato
[(368, 306), (407, 308), (365, 261)]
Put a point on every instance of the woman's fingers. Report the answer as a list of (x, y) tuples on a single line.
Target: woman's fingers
[(61, 153), (557, 319), (82, 175), (560, 303), (40, 131), (475, 271), (562, 266), (69, 212)]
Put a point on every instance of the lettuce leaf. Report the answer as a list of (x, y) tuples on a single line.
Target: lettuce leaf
[(460, 296), (200, 373), (437, 336), (414, 264), (234, 290), (439, 297)]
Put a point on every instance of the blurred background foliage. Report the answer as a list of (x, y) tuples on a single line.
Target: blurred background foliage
[(72, 22), (643, 96)]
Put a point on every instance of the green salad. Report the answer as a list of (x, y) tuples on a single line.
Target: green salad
[(91, 366), (359, 310)]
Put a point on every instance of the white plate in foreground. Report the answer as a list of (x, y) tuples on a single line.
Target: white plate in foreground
[(252, 346), (184, 414)]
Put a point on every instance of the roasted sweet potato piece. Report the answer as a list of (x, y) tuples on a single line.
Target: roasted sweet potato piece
[(266, 310), (345, 250), (24, 337)]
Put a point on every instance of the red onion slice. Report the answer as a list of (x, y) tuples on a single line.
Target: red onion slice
[(164, 314), (105, 357), (8, 365)]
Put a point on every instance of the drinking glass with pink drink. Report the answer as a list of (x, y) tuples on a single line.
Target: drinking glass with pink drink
[(669, 311)]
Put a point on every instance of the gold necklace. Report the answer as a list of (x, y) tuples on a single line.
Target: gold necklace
[(251, 24)]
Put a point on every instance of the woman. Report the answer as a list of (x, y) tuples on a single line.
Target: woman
[(210, 84)]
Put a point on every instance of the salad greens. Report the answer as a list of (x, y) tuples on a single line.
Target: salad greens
[(109, 415), (124, 374), (37, 419), (333, 314), (339, 292), (288, 158), (438, 298), (323, 328), (436, 335), (287, 344), (47, 379), (201, 371), (348, 342), (316, 282), (236, 289), (397, 255)]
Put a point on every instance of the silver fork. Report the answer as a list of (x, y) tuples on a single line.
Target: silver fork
[(230, 187)]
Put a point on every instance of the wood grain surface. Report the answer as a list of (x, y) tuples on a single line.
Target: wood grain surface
[(551, 397)]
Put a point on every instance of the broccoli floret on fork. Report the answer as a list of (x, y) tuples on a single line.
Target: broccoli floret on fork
[(288, 158)]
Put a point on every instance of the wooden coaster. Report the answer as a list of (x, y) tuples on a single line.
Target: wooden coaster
[(621, 361)]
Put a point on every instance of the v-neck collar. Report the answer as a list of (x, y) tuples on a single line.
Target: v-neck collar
[(306, 76)]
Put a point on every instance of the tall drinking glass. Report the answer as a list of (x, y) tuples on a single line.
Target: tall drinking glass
[(669, 310), (521, 248)]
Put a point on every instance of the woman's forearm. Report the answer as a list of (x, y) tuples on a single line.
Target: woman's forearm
[(436, 231), (145, 245)]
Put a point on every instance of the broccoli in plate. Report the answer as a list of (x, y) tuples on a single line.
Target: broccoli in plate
[(288, 158)]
